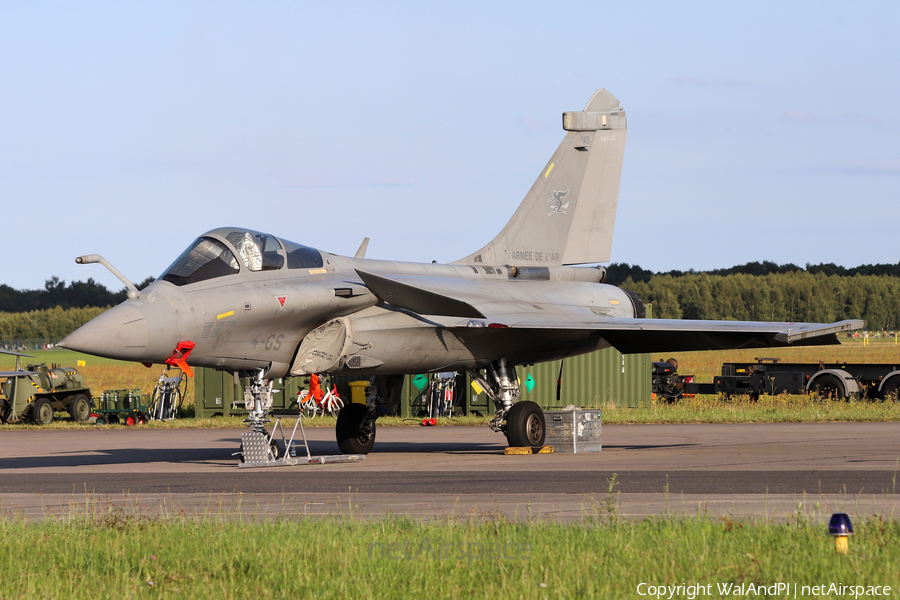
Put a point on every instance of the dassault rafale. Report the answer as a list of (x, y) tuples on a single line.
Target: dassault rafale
[(263, 307)]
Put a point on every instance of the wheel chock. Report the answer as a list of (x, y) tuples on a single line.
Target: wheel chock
[(528, 450)]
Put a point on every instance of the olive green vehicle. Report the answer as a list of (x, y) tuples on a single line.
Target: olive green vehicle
[(39, 391)]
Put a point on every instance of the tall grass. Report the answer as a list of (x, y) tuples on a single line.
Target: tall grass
[(108, 556)]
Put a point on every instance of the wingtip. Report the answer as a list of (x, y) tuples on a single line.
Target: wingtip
[(794, 335)]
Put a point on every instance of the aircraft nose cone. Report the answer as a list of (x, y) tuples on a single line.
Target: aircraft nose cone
[(120, 333)]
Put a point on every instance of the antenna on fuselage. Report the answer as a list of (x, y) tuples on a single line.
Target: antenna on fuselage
[(361, 253)]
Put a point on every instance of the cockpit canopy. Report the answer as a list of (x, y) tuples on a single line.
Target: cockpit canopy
[(209, 257)]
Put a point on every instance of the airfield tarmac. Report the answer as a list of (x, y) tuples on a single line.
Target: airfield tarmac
[(724, 470)]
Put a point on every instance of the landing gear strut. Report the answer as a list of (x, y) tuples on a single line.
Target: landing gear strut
[(522, 422), (258, 400)]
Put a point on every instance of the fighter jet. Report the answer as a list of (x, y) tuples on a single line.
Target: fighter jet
[(258, 305)]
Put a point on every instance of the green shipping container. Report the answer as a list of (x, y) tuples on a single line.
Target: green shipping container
[(588, 381), (591, 380)]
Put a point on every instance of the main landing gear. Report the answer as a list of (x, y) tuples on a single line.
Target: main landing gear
[(522, 422), (355, 429)]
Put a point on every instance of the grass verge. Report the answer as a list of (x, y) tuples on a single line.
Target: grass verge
[(106, 556)]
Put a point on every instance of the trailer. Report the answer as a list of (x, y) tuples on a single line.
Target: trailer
[(771, 376), (121, 406)]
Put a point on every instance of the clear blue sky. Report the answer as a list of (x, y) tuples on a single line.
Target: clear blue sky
[(767, 131)]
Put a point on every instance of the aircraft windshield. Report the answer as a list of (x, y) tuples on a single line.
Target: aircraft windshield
[(205, 259)]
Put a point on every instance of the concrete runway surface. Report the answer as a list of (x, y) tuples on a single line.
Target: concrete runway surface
[(732, 470)]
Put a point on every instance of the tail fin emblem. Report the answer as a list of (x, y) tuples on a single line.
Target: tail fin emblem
[(556, 205)]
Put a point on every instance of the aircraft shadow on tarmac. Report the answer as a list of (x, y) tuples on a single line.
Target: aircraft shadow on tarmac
[(421, 448), (124, 456), (645, 446)]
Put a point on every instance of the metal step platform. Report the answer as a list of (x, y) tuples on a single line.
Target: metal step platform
[(257, 450)]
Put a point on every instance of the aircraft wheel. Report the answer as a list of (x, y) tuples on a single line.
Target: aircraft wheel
[(80, 408), (350, 439), (42, 411), (275, 449), (525, 425)]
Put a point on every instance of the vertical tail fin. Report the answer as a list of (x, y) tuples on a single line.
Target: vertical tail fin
[(568, 215)]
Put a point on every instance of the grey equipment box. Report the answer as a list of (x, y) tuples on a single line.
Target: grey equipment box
[(573, 430)]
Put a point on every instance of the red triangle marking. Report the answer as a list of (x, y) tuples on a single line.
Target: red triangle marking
[(282, 299)]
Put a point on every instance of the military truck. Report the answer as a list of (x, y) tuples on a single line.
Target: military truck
[(771, 376), (38, 391)]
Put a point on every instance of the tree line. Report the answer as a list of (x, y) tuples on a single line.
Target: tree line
[(78, 294), (798, 296), (617, 273), (42, 326)]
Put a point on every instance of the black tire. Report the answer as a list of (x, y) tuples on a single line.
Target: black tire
[(525, 425), (102, 420), (80, 408), (42, 411), (829, 387), (349, 437), (891, 391)]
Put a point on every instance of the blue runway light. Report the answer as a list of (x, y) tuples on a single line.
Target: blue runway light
[(840, 527), (840, 524)]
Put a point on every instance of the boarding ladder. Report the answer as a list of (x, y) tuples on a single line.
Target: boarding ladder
[(261, 450)]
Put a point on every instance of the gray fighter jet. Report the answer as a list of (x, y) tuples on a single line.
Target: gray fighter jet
[(257, 305)]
